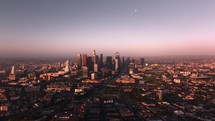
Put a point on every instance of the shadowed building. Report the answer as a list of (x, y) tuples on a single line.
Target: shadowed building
[(142, 61), (79, 60), (123, 60), (128, 60), (84, 60), (90, 63), (101, 61), (105, 72), (109, 62)]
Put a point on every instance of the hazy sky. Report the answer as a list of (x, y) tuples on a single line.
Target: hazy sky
[(132, 27)]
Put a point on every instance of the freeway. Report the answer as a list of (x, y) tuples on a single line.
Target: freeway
[(101, 89)]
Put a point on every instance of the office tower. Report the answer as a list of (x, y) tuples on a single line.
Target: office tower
[(101, 61), (123, 60), (96, 68), (94, 59), (97, 59), (84, 60), (109, 59), (79, 60), (116, 64), (142, 61), (109, 62), (85, 71), (90, 63), (12, 75), (128, 60), (93, 76), (117, 61), (67, 66)]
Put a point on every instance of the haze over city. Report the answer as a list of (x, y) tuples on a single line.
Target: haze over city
[(107, 60), (133, 27)]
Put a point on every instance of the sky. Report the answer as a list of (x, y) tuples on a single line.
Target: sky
[(131, 27)]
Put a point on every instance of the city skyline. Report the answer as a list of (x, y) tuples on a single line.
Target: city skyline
[(107, 60), (134, 28), (107, 88)]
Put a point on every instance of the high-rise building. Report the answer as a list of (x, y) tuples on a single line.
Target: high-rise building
[(101, 60), (123, 60), (109, 62), (12, 75), (116, 64), (97, 59), (90, 63), (96, 68), (12, 70), (93, 76), (142, 61), (105, 72), (67, 66), (84, 60), (128, 60), (85, 71), (79, 60), (94, 59)]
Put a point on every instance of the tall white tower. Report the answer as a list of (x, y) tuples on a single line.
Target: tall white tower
[(12, 70), (12, 75)]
